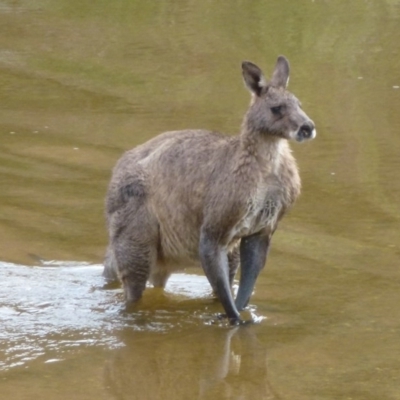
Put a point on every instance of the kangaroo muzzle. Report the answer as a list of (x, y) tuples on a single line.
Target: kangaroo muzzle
[(306, 132)]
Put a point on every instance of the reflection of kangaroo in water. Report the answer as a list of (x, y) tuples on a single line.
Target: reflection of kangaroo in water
[(198, 196), (209, 364)]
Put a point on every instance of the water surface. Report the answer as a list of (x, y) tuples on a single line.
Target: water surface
[(81, 82)]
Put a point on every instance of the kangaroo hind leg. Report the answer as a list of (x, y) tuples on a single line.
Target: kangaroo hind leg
[(159, 276), (135, 250), (233, 262)]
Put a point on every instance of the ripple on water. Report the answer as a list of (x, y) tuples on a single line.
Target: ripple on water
[(60, 306)]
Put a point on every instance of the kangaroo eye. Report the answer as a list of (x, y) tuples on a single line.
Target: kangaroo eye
[(276, 110)]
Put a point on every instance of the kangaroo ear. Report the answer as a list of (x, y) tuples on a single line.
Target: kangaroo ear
[(280, 77), (253, 77)]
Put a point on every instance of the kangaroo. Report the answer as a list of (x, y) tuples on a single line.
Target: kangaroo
[(198, 197)]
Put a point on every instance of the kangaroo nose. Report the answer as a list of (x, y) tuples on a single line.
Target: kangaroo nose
[(306, 131)]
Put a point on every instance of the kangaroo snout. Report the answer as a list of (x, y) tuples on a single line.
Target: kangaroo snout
[(306, 132)]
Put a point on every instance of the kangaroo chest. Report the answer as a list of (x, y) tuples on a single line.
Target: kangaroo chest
[(263, 210)]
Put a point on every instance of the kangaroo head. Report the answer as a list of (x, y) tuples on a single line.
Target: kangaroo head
[(274, 110)]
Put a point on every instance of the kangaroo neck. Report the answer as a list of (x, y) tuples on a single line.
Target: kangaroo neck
[(263, 148)]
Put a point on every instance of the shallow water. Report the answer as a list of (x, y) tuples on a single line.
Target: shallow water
[(80, 82), (64, 305)]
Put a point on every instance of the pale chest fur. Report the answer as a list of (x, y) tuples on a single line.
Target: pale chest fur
[(263, 211), (275, 190)]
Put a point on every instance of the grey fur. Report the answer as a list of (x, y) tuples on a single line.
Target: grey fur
[(199, 197)]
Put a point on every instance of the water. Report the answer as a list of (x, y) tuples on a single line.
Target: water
[(80, 82)]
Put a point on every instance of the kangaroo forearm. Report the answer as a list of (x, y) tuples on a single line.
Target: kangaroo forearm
[(214, 261), (253, 255)]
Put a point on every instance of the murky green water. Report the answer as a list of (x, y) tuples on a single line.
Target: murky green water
[(82, 81)]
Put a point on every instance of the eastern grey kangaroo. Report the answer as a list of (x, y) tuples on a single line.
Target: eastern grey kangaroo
[(197, 196)]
